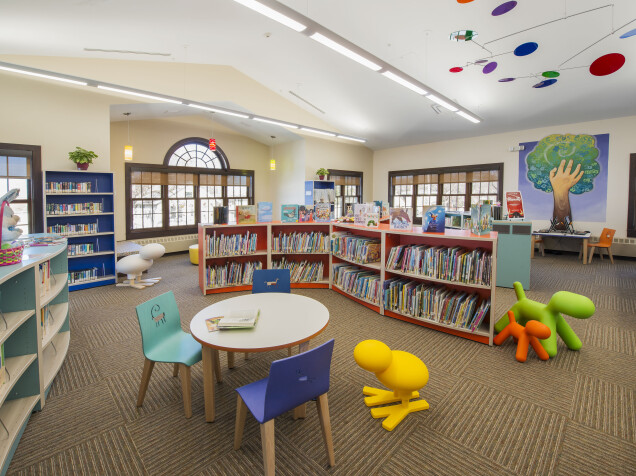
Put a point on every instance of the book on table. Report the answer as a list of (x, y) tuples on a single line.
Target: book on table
[(239, 319)]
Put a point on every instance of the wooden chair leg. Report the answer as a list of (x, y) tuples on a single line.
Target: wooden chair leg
[(591, 253), (186, 389), (241, 413), (542, 248), (230, 360), (322, 405), (175, 370), (145, 379), (267, 442), (609, 252)]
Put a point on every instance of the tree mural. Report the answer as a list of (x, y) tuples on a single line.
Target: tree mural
[(560, 164)]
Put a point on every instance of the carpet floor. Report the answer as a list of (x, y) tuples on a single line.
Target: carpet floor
[(489, 414)]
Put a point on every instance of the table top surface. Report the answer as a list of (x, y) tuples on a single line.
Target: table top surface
[(564, 235), (285, 320)]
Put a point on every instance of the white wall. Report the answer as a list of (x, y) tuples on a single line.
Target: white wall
[(494, 148), (288, 180)]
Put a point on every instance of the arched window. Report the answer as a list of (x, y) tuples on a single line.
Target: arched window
[(195, 152)]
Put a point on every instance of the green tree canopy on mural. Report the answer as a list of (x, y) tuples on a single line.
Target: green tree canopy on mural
[(550, 167)]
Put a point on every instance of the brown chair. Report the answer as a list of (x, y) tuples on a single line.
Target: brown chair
[(604, 241)]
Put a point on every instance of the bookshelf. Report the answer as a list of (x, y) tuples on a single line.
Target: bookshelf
[(79, 206), (34, 354), (320, 191), (363, 276)]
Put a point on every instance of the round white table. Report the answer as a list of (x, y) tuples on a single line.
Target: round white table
[(285, 320)]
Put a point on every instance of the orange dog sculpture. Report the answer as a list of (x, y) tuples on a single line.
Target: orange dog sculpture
[(530, 334)]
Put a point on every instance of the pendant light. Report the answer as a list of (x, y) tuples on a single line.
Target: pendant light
[(272, 161), (128, 150)]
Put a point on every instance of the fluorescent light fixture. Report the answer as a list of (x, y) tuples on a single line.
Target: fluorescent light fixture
[(133, 93), (404, 82), (351, 138), (345, 51), (273, 14), (469, 117), (47, 76), (220, 111), (441, 102), (277, 123), (316, 131)]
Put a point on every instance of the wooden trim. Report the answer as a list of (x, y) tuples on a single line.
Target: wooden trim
[(200, 141), (631, 201)]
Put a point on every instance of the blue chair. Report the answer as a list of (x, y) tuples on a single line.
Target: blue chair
[(291, 383), (271, 281), (163, 340)]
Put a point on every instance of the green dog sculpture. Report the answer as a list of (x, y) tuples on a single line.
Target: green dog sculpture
[(564, 302)]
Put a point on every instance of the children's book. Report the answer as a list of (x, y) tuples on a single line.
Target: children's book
[(372, 219), (359, 213), (434, 219), (245, 214), (384, 209), (322, 212), (239, 319), (514, 204), (400, 218), (264, 212), (289, 213), (305, 213), (213, 323), (481, 219)]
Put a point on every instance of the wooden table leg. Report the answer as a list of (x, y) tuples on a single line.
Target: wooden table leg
[(301, 410), (585, 250), (531, 246), (230, 360), (208, 381)]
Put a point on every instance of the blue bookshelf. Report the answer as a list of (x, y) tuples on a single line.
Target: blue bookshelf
[(317, 191), (79, 205)]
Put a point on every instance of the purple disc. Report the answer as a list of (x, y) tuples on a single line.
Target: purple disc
[(503, 8), (546, 83), (506, 80), (481, 61), (490, 67), (526, 49), (628, 34)]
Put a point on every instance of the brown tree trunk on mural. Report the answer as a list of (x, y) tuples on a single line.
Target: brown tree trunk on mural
[(562, 180)]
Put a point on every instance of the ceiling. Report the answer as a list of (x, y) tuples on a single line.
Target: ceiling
[(410, 35)]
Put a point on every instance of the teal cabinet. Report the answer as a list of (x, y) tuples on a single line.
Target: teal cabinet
[(513, 252)]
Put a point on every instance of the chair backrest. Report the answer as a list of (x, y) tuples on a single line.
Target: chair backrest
[(158, 319), (607, 235), (297, 379), (271, 281)]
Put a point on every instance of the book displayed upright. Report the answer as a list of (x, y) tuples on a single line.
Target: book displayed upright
[(514, 205), (400, 218), (289, 213), (372, 219), (305, 213), (322, 212), (434, 219), (264, 212), (481, 219), (245, 214)]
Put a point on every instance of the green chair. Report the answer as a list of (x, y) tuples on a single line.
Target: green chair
[(163, 340)]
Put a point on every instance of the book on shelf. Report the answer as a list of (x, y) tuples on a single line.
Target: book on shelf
[(360, 211), (45, 277), (434, 219), (400, 218), (245, 214), (68, 187), (359, 249), (514, 205), (239, 319), (264, 212), (322, 212), (383, 208), (372, 219), (301, 271), (481, 219), (305, 213), (361, 283), (301, 242), (45, 320), (231, 274), (289, 213), (230, 245)]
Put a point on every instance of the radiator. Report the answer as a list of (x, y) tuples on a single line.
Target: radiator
[(172, 244), (620, 246)]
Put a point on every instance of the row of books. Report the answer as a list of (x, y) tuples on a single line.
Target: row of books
[(297, 242), (358, 282), (358, 249), (301, 271), (451, 264), (73, 229), (45, 277), (46, 319), (435, 303), (76, 249), (74, 208), (231, 274), (75, 277), (68, 187), (230, 245)]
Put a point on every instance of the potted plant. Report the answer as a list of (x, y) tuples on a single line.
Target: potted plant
[(82, 157), (322, 173)]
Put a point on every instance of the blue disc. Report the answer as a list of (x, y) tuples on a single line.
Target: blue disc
[(628, 34), (526, 49), (506, 80), (546, 83)]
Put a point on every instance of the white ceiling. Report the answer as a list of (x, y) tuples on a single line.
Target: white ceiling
[(411, 35)]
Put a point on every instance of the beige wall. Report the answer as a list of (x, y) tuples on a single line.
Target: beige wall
[(494, 148)]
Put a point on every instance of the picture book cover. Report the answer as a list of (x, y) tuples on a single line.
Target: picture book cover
[(305, 213), (400, 218), (514, 204), (245, 214), (372, 219), (213, 323), (481, 219), (289, 213), (348, 215), (322, 212), (264, 212), (359, 213), (434, 219), (384, 209)]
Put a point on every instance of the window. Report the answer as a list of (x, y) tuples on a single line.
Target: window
[(171, 199), (348, 186), (20, 167), (456, 188)]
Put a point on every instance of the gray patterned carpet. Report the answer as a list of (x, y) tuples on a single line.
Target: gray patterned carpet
[(489, 414)]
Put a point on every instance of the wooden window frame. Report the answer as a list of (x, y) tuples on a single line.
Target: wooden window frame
[(348, 173)]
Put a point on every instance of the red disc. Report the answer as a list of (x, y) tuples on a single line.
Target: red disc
[(456, 69), (607, 64), (464, 1)]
